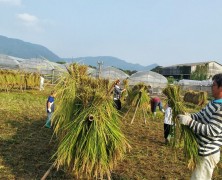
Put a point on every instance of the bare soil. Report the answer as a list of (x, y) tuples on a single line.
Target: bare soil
[(26, 146)]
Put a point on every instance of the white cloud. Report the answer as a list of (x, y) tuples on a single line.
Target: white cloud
[(11, 2), (27, 18), (30, 21)]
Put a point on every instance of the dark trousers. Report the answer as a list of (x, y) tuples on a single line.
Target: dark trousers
[(167, 130), (117, 104), (154, 106)]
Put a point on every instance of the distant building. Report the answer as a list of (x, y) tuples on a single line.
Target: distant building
[(184, 71)]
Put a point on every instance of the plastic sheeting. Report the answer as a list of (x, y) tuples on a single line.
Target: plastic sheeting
[(195, 82), (151, 78), (41, 66), (110, 73), (8, 62), (90, 70)]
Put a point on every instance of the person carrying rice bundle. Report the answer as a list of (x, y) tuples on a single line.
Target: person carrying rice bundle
[(207, 126), (168, 123), (117, 95)]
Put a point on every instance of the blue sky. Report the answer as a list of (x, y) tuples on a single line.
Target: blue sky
[(165, 32)]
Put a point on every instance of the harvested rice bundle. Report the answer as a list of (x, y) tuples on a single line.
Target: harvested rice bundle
[(196, 97), (32, 80), (125, 93), (77, 71), (87, 126), (203, 97), (138, 101), (182, 133), (126, 83), (11, 79), (7, 79), (2, 78)]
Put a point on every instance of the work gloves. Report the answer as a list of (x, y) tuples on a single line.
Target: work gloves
[(154, 113), (49, 110), (184, 119)]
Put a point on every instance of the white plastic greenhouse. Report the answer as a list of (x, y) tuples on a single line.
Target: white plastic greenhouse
[(8, 62), (90, 70), (155, 80), (42, 66), (195, 82), (110, 73), (196, 85)]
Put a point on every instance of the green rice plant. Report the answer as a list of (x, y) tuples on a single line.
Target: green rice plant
[(183, 135)]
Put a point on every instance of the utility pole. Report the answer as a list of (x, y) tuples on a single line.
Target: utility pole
[(100, 63)]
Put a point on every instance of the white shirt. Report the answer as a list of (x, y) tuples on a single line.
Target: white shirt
[(168, 116), (41, 80)]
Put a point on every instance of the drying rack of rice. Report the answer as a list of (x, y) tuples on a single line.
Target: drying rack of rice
[(138, 101), (87, 126), (12, 79)]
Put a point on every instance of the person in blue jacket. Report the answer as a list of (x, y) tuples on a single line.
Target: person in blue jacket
[(50, 108)]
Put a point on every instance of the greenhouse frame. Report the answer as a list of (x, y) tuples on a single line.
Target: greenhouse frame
[(110, 73), (150, 78)]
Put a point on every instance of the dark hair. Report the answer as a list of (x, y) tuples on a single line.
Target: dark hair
[(218, 79), (169, 103)]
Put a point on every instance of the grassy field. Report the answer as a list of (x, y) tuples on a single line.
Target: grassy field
[(26, 146)]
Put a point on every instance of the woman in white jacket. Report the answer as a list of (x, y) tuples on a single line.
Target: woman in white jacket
[(168, 124)]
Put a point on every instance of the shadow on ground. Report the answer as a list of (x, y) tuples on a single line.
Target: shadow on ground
[(27, 154)]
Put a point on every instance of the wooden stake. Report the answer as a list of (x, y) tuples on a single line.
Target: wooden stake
[(47, 172), (144, 116), (135, 111)]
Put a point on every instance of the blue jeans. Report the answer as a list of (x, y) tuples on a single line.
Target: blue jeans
[(154, 106), (48, 120)]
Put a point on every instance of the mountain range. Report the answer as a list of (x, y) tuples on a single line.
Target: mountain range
[(27, 50), (110, 61)]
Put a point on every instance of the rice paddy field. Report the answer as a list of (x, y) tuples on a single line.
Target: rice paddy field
[(26, 146)]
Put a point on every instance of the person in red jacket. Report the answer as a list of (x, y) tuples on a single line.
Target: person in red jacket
[(155, 101)]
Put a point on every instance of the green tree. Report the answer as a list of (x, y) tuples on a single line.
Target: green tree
[(158, 69), (200, 73), (129, 72), (170, 80), (61, 62)]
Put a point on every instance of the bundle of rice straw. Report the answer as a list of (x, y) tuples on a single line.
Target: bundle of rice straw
[(138, 101), (196, 97), (183, 134), (125, 93), (87, 126)]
